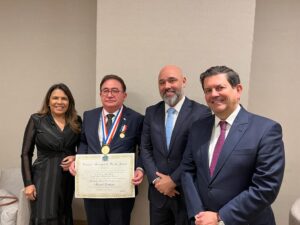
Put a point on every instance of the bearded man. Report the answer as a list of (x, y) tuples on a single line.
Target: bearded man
[(164, 138)]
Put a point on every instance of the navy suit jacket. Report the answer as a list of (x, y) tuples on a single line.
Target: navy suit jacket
[(247, 176), (155, 155), (90, 142)]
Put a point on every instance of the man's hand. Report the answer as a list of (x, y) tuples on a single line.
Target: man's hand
[(30, 192), (138, 177), (165, 185), (206, 218), (72, 169), (66, 162)]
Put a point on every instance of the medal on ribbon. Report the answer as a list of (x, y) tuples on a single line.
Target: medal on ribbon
[(123, 131), (105, 149), (107, 135)]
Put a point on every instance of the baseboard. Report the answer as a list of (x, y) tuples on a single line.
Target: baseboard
[(80, 222)]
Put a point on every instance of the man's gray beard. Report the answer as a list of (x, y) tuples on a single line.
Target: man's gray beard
[(171, 101)]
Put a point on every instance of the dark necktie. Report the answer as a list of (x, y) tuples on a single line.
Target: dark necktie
[(218, 147), (109, 121)]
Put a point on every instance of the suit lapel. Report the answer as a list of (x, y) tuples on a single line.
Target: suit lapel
[(158, 123), (183, 115), (95, 127), (123, 122), (161, 124), (236, 132), (206, 136)]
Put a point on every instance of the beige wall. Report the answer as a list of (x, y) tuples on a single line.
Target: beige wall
[(41, 43), (274, 85), (44, 42), (135, 40)]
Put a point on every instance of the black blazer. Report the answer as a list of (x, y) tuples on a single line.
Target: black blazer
[(154, 152), (90, 142)]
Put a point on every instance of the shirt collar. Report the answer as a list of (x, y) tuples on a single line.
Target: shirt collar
[(115, 113), (230, 119), (177, 107)]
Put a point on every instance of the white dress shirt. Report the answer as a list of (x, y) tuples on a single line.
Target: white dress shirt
[(217, 130), (177, 108), (100, 132)]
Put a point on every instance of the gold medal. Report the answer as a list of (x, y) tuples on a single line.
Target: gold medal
[(122, 135), (105, 149)]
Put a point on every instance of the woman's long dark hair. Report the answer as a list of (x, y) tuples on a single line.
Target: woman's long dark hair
[(71, 113)]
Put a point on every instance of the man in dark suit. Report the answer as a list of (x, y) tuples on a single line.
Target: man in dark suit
[(95, 139), (234, 161), (162, 147)]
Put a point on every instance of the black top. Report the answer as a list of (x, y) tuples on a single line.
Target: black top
[(54, 187)]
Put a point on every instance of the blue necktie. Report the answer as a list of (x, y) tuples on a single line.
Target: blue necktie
[(169, 124)]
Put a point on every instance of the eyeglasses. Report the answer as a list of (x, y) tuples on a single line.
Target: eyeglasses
[(113, 91)]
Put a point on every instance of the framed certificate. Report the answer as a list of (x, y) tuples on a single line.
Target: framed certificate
[(104, 176)]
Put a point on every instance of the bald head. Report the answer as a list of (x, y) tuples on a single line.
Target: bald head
[(171, 82), (171, 69)]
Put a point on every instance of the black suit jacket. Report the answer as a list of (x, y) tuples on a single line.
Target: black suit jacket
[(155, 155), (90, 142)]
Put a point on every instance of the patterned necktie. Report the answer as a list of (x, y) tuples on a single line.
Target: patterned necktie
[(109, 121), (218, 147), (169, 124)]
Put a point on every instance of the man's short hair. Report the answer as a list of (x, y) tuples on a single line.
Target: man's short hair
[(113, 77), (232, 77)]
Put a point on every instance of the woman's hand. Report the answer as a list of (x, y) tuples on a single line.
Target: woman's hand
[(30, 192), (72, 169), (66, 162)]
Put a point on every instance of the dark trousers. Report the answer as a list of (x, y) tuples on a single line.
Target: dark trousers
[(108, 211), (173, 212)]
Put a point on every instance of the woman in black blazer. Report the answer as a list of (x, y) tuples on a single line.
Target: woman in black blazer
[(54, 131)]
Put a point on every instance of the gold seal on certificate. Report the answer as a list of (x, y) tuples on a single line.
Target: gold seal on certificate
[(122, 135), (105, 149)]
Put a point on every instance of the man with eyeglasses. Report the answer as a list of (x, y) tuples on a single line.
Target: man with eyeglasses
[(165, 131), (112, 128), (233, 165)]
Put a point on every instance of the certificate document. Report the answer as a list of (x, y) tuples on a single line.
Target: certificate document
[(104, 176)]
